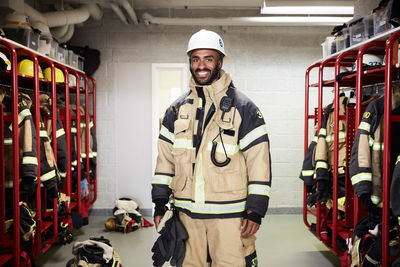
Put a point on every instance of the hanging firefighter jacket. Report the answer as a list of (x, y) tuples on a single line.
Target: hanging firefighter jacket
[(213, 153), (395, 189), (62, 155), (367, 153), (323, 156), (27, 146)]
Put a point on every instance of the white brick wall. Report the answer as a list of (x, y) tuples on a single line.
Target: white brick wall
[(267, 63)]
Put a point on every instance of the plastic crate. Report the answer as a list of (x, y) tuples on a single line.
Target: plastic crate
[(328, 46), (23, 36), (45, 44), (381, 20), (357, 32)]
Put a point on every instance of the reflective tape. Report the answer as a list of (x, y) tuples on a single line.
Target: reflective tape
[(48, 176), (315, 139), (91, 124), (30, 160), (321, 165), (377, 201), (230, 149), (331, 138), (377, 146), (43, 134), (21, 116), (74, 163), (8, 141), (341, 170), (365, 126), (259, 189), (161, 179), (167, 134), (94, 154), (364, 176), (183, 143), (341, 201), (74, 130), (83, 125), (206, 208), (307, 172), (253, 135), (60, 132), (398, 159), (62, 174), (370, 141), (200, 103), (199, 186), (322, 131)]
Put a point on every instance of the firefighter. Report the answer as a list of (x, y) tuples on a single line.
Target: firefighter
[(214, 160)]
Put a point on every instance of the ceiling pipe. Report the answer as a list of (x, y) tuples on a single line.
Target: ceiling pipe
[(247, 21), (60, 31), (118, 12), (131, 12), (68, 35)]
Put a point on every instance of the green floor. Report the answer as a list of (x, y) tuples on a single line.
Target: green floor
[(282, 240)]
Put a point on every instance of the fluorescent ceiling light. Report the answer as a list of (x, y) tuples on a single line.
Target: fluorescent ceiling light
[(311, 10), (298, 20)]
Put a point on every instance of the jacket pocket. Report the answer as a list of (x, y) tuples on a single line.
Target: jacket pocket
[(228, 182), (181, 152)]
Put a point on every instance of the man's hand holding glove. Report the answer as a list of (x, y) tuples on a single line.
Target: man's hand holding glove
[(251, 223)]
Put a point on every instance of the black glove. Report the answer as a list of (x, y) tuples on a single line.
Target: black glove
[(322, 191), (252, 216), (368, 205), (160, 208), (28, 186), (181, 237)]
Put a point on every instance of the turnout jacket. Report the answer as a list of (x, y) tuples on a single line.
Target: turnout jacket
[(395, 189), (28, 161), (367, 153), (184, 166), (324, 149), (62, 155)]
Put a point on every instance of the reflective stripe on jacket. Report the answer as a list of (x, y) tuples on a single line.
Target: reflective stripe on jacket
[(367, 152), (184, 166)]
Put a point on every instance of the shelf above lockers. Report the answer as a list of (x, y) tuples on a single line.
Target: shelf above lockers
[(18, 45), (381, 37)]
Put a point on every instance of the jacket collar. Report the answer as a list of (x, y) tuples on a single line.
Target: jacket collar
[(216, 90)]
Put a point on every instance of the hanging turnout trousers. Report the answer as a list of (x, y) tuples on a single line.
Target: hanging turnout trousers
[(196, 133)]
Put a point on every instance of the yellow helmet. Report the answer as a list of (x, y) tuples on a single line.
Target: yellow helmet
[(59, 75), (110, 224), (25, 67)]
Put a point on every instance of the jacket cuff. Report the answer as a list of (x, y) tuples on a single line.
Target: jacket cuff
[(252, 216), (160, 207)]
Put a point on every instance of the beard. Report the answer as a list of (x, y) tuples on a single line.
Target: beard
[(214, 75)]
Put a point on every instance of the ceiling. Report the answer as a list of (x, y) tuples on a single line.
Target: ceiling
[(203, 4)]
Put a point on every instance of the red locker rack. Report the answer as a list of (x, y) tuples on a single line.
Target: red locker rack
[(344, 228), (13, 252)]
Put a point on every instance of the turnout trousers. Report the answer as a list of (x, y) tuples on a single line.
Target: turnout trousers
[(220, 240)]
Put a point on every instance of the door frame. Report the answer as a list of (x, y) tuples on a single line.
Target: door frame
[(154, 98)]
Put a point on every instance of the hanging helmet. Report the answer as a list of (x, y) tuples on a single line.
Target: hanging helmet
[(371, 60), (5, 63), (25, 67), (72, 80), (59, 75), (16, 20), (205, 39)]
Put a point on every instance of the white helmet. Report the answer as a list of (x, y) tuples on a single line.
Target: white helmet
[(371, 60), (205, 39), (6, 61), (16, 20)]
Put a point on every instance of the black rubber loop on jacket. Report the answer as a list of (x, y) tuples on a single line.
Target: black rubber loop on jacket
[(214, 160)]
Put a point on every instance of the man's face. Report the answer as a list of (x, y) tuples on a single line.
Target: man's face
[(205, 66)]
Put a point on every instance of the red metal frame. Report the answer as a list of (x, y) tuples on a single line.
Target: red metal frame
[(11, 246), (386, 150), (352, 209), (14, 84), (94, 117)]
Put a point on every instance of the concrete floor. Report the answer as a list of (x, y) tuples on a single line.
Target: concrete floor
[(282, 240)]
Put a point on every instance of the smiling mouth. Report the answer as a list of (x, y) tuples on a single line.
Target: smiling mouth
[(203, 73)]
